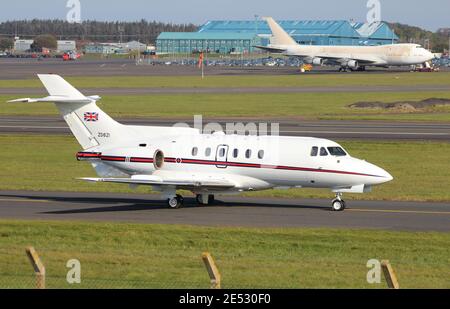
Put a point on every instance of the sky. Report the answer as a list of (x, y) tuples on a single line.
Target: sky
[(429, 14)]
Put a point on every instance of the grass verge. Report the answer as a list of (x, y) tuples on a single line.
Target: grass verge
[(316, 80), (302, 105), (133, 255), (47, 163)]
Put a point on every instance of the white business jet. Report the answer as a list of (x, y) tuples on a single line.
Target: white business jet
[(174, 158), (347, 57)]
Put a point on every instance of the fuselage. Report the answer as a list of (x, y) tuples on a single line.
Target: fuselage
[(384, 55), (251, 162)]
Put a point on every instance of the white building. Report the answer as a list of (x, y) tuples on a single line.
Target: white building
[(22, 45), (64, 46), (134, 46)]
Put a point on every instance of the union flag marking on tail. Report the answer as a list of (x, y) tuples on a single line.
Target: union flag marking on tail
[(90, 116)]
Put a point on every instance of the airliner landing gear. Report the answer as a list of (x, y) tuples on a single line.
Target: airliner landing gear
[(175, 202), (338, 204), (204, 199)]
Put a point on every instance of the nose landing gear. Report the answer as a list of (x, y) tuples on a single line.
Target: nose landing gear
[(338, 204), (205, 199)]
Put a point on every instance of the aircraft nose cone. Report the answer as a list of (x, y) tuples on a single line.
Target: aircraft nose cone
[(386, 177)]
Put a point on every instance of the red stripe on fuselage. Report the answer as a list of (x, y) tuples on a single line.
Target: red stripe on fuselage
[(113, 158), (234, 164), (253, 165), (141, 160)]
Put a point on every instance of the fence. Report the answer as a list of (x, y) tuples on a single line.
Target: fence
[(42, 280)]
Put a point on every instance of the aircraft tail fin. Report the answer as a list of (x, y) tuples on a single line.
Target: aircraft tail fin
[(57, 86), (90, 125), (279, 36)]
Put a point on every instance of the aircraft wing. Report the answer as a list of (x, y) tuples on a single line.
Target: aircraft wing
[(185, 182), (361, 60)]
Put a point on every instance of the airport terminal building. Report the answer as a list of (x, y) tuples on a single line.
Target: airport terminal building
[(222, 36)]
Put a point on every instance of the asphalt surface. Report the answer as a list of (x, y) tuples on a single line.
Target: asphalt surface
[(227, 211), (28, 68), (288, 127), (231, 90)]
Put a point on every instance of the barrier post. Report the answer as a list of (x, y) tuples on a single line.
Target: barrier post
[(38, 266), (389, 275), (212, 269)]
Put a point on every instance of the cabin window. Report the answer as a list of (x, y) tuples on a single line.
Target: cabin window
[(314, 151), (261, 154), (337, 151), (222, 152), (235, 153), (323, 152), (194, 151), (207, 152), (248, 153)]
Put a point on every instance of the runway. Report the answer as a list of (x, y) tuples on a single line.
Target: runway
[(288, 127), (232, 90), (28, 68), (229, 211)]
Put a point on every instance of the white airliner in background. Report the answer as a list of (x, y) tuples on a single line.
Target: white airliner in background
[(173, 158), (347, 57)]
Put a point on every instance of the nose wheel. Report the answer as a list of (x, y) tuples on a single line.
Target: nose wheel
[(175, 202), (338, 204), (204, 199)]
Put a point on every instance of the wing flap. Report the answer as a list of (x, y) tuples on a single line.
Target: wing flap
[(151, 180)]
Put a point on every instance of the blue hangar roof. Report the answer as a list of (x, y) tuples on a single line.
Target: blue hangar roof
[(205, 36), (342, 28)]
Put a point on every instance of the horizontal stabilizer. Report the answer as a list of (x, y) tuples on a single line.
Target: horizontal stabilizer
[(274, 50), (54, 99)]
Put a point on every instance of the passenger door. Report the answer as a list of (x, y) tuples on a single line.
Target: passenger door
[(221, 155)]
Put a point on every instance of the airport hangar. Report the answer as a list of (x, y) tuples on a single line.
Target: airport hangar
[(220, 36)]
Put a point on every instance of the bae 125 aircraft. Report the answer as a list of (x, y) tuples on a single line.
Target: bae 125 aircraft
[(347, 57), (173, 158)]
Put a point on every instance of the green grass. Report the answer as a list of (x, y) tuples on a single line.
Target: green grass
[(334, 80), (305, 105), (47, 163), (133, 255)]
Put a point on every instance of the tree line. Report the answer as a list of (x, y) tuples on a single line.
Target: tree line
[(438, 42), (99, 31), (147, 32)]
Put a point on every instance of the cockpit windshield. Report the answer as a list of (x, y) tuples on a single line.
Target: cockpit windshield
[(336, 151)]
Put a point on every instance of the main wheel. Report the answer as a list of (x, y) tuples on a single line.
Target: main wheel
[(175, 202), (338, 205)]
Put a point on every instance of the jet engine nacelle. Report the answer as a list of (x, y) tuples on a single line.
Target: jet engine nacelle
[(149, 158), (313, 61), (317, 61), (352, 64)]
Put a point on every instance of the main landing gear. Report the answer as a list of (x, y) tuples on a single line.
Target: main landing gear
[(177, 201), (338, 204)]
